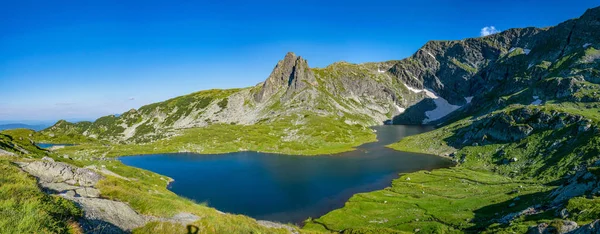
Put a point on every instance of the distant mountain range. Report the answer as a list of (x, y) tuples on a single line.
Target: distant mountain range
[(36, 127)]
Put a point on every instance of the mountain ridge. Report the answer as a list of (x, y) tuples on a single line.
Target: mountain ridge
[(438, 79), (518, 111)]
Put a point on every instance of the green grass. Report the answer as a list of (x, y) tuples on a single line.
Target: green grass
[(463, 66), (444, 200), (583, 209), (24, 208), (316, 135)]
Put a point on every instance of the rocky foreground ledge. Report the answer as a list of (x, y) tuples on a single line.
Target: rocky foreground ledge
[(78, 185)]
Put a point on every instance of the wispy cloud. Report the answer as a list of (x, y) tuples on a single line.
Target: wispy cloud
[(488, 30), (131, 98)]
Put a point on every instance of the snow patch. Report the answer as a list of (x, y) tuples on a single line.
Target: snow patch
[(468, 99), (428, 92), (431, 55), (380, 71), (442, 109), (586, 45), (399, 109), (412, 89), (526, 51), (537, 101), (442, 106)]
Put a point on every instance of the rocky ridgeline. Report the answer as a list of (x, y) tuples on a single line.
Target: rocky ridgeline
[(440, 78), (566, 227), (583, 182), (518, 124), (78, 185)]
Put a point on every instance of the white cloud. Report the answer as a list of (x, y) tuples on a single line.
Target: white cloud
[(488, 30)]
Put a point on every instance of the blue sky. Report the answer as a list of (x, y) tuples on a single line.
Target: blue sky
[(85, 59)]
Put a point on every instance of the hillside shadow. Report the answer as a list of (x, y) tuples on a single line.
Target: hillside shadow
[(99, 226), (496, 213), (191, 229), (415, 114)]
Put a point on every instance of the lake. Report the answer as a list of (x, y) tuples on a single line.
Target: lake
[(288, 188), (48, 145)]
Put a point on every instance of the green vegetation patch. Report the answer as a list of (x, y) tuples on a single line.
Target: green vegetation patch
[(24, 208), (444, 200), (299, 135)]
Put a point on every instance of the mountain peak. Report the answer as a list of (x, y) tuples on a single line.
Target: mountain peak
[(292, 73), (290, 55)]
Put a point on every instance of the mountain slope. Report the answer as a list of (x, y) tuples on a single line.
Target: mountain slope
[(440, 78), (526, 146)]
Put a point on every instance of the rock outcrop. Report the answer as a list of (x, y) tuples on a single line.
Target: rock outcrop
[(517, 124), (6, 153), (78, 185), (290, 75), (591, 228), (560, 227)]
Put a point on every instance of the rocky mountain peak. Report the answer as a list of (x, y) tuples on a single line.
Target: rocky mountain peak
[(290, 74)]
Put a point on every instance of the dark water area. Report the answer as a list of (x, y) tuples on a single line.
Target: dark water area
[(288, 188), (48, 145)]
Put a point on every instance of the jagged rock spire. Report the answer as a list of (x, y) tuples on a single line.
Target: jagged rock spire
[(292, 74)]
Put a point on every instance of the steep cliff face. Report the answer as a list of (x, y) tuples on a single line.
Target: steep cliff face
[(487, 68), (290, 75)]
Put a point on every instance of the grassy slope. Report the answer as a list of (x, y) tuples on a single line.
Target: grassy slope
[(445, 200), (324, 136), (24, 208), (482, 189)]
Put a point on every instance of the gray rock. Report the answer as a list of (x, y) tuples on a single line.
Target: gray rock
[(291, 74), (591, 228), (568, 226), (58, 187), (539, 229), (183, 218), (88, 192), (270, 224), (49, 159), (56, 172), (564, 213), (4, 152), (565, 226), (98, 212), (56, 147), (69, 194)]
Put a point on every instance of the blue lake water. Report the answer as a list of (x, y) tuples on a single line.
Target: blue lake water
[(288, 188), (48, 145)]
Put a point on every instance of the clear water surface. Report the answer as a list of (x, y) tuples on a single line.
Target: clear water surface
[(288, 188), (48, 145)]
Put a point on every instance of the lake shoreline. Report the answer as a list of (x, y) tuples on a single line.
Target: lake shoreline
[(362, 155)]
